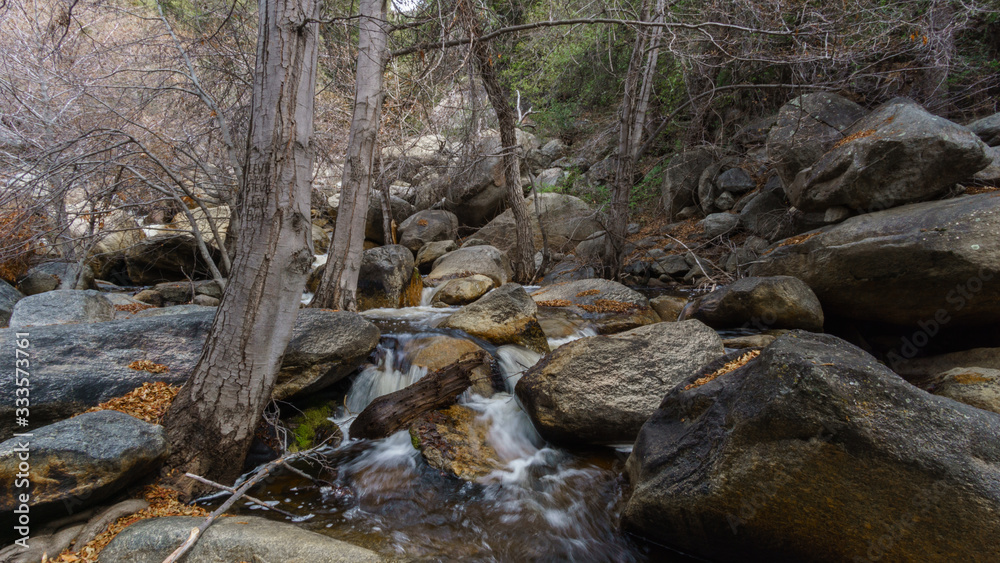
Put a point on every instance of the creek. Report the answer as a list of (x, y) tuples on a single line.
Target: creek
[(537, 503)]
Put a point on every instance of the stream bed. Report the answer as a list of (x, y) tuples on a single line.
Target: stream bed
[(537, 502)]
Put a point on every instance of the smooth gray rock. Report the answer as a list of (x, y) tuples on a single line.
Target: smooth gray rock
[(82, 365), (680, 180), (506, 315), (988, 129), (9, 296), (807, 127), (816, 452), (56, 275), (568, 269), (601, 389), (175, 310), (431, 252), (735, 180), (897, 154), (81, 460), (978, 387), (760, 303), (230, 540), (905, 265), (62, 306), (718, 224), (482, 259), (427, 226), (388, 278), (567, 220)]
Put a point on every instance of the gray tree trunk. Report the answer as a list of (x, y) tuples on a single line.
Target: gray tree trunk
[(338, 288), (631, 121), (522, 256), (211, 422)]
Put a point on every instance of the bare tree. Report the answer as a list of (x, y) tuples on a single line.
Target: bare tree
[(211, 422), (338, 288)]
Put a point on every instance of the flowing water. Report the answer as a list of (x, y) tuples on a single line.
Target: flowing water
[(538, 503)]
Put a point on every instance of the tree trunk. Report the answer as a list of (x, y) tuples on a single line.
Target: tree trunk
[(211, 422), (523, 254), (395, 411), (631, 121), (338, 288)]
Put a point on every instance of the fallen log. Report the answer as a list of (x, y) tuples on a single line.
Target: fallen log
[(397, 410)]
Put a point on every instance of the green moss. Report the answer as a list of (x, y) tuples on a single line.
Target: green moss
[(312, 427)]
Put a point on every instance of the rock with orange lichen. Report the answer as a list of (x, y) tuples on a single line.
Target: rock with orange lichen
[(979, 387), (609, 305), (455, 441), (814, 451)]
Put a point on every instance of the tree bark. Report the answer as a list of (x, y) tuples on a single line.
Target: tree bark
[(395, 411), (338, 288), (211, 422), (940, 52), (523, 254), (631, 121)]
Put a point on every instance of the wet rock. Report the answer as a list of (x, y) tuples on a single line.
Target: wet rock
[(601, 389), (483, 260), (929, 154), (431, 252), (454, 441), (903, 265), (62, 306), (240, 538), (388, 279), (427, 226), (979, 387), (611, 306), (668, 307), (462, 291), (80, 461), (8, 298), (680, 180), (814, 451), (166, 257), (759, 302), (505, 315), (86, 364), (56, 275), (567, 221), (718, 224), (442, 351), (807, 127), (988, 129)]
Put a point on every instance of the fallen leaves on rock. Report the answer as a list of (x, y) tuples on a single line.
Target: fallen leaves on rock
[(587, 292), (730, 366), (554, 303), (149, 402), (133, 307), (146, 365), (609, 306), (854, 137), (162, 502), (976, 190)]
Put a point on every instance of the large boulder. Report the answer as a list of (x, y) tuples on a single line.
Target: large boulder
[(601, 389), (611, 306), (56, 275), (897, 154), (204, 221), (918, 369), (462, 291), (8, 298), (921, 262), (62, 306), (167, 257), (431, 251), (87, 364), (680, 179), (767, 214), (807, 127), (567, 221), (441, 351), (814, 451), (759, 302), (427, 226), (988, 129), (456, 441), (79, 461), (482, 260), (506, 315), (388, 279), (237, 538), (374, 229)]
